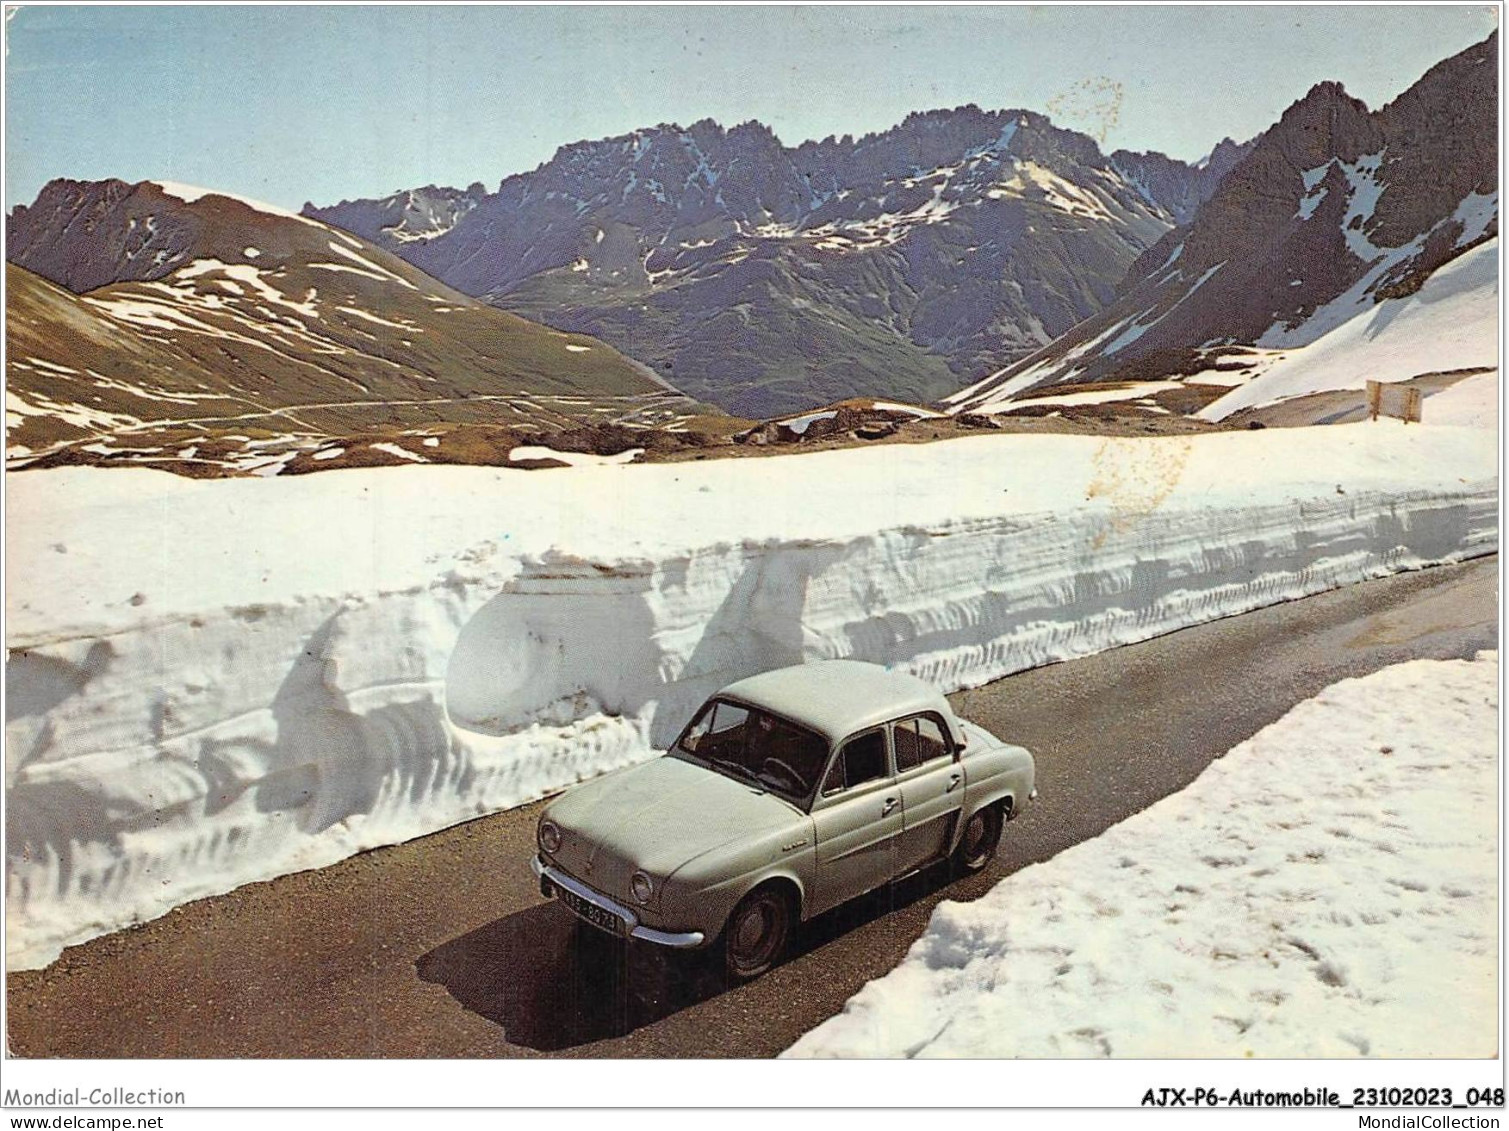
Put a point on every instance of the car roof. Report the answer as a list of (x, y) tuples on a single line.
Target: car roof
[(838, 697)]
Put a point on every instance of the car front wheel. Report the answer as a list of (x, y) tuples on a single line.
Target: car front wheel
[(980, 839), (757, 933)]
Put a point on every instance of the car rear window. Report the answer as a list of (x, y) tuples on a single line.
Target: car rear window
[(918, 740)]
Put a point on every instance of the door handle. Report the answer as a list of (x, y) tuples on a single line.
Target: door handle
[(953, 781), (890, 803)]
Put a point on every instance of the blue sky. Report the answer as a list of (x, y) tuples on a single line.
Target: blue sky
[(292, 103)]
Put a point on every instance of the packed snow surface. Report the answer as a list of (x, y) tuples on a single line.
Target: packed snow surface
[(219, 681), (1451, 322), (1329, 888), (1471, 403)]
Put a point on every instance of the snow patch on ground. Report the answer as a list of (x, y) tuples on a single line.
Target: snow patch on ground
[(1326, 889), (253, 277), (1131, 392), (369, 317), (362, 656), (574, 459), (79, 416), (1475, 213), (367, 264), (800, 424), (395, 450), (908, 409)]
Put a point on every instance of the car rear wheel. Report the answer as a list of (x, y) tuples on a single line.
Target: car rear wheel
[(756, 934), (980, 839)]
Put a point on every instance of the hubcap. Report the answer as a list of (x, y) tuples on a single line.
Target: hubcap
[(755, 936), (753, 929)]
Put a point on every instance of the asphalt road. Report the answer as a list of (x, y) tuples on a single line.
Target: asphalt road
[(442, 947)]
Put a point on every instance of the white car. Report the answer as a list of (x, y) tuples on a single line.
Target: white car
[(787, 794)]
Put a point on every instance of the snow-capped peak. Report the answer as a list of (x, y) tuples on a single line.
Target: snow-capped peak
[(190, 193)]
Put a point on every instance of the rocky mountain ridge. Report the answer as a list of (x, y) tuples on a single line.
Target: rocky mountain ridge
[(770, 279), (1335, 208)]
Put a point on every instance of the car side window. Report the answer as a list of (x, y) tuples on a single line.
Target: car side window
[(918, 740), (908, 752), (930, 738), (863, 759)]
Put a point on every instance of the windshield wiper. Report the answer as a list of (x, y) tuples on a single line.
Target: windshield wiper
[(742, 770)]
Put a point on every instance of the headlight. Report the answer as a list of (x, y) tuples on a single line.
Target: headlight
[(642, 886), (550, 836)]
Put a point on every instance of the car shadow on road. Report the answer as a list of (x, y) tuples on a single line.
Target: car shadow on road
[(553, 983)]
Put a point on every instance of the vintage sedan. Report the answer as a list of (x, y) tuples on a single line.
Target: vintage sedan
[(787, 794)]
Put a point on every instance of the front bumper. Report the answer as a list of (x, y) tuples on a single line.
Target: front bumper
[(633, 928)]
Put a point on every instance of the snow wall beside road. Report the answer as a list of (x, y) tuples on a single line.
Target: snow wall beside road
[(215, 682)]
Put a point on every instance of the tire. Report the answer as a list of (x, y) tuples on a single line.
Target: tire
[(756, 934), (979, 840)]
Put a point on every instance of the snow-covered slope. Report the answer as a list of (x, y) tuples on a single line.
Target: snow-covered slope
[(1328, 888), (213, 682), (1450, 323), (192, 328), (1470, 403), (1334, 208)]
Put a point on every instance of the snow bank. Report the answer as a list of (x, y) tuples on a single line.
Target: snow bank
[(1327, 889), (1451, 322), (1471, 403), (219, 681)]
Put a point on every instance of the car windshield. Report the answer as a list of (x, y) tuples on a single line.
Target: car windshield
[(756, 746)]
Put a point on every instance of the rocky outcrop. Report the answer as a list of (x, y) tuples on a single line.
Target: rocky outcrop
[(406, 217), (1177, 188)]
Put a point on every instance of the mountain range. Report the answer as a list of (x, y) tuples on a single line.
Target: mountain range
[(616, 291), (1335, 208), (770, 279)]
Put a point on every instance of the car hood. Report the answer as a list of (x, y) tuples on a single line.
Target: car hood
[(657, 816)]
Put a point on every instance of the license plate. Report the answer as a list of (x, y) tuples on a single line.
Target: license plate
[(599, 917)]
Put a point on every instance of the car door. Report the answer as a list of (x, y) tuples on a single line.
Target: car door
[(930, 778), (856, 820)]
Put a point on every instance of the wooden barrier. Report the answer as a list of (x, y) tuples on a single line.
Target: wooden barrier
[(1390, 399)]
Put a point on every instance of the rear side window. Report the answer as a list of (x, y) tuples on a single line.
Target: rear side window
[(861, 760), (918, 741)]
